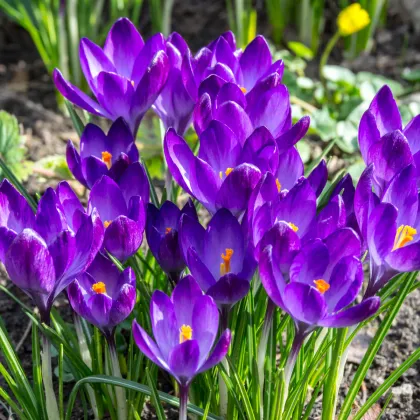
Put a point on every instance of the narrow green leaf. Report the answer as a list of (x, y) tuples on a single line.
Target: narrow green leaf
[(153, 195), (155, 396), (76, 120), (60, 381), (37, 370)]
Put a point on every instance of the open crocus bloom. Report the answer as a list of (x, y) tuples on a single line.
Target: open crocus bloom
[(162, 236), (221, 58), (217, 257), (390, 227), (102, 154), (384, 142), (44, 253), (323, 281), (185, 327), (174, 105), (122, 208), (103, 295), (126, 76)]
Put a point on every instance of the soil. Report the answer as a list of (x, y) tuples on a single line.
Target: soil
[(26, 90)]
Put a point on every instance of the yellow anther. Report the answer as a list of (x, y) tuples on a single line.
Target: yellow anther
[(99, 287), (321, 285), (185, 333), (352, 19), (107, 223), (107, 159), (244, 90), (227, 172), (293, 226), (225, 265), (132, 82), (404, 235), (168, 230), (278, 185)]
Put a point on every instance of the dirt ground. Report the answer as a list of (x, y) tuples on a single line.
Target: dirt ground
[(26, 90)]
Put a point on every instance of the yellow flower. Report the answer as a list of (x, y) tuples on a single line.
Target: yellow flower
[(352, 19)]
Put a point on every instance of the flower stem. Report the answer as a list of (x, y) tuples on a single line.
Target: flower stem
[(291, 361), (325, 55), (183, 401), (223, 392), (119, 391), (51, 400)]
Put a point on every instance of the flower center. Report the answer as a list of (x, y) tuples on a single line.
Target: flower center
[(404, 235), (168, 230), (227, 172), (278, 185), (107, 159), (99, 288), (107, 223), (321, 285), (185, 333), (293, 226), (225, 265), (243, 89)]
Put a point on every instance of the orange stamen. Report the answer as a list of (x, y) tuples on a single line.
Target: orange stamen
[(107, 159), (278, 185), (404, 235), (99, 288), (107, 223), (168, 230), (185, 333), (321, 285), (225, 265), (244, 90), (293, 226)]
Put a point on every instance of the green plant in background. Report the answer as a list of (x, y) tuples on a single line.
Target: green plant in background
[(12, 149), (160, 15), (242, 18), (56, 27)]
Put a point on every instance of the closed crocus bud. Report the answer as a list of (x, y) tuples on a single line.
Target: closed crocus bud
[(352, 19), (122, 208), (103, 295), (162, 236), (218, 257), (43, 253), (102, 154), (126, 75), (185, 327)]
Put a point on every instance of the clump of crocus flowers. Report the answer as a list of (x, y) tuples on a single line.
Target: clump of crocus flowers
[(273, 232)]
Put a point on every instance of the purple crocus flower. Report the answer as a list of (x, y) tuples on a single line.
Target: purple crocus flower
[(122, 208), (385, 143), (323, 279), (162, 236), (126, 76), (389, 226), (185, 327), (103, 295), (174, 105), (217, 257), (222, 59), (102, 154), (44, 253)]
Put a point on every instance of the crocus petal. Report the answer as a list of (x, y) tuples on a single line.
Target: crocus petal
[(183, 361), (345, 283), (331, 217), (186, 293), (272, 283), (74, 163), (237, 188), (29, 263), (6, 238), (290, 168), (203, 113), (121, 140), (229, 289), (219, 352), (123, 305), (123, 44), (191, 234), (223, 232), (304, 303), (147, 346), (318, 177), (406, 258), (93, 61), (93, 169), (381, 231), (368, 134), (123, 237), (62, 250), (230, 92), (15, 212), (385, 110), (199, 270), (255, 61), (70, 203), (412, 133), (205, 324), (76, 96), (310, 263), (164, 323), (134, 182), (353, 315), (100, 310), (293, 135)]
